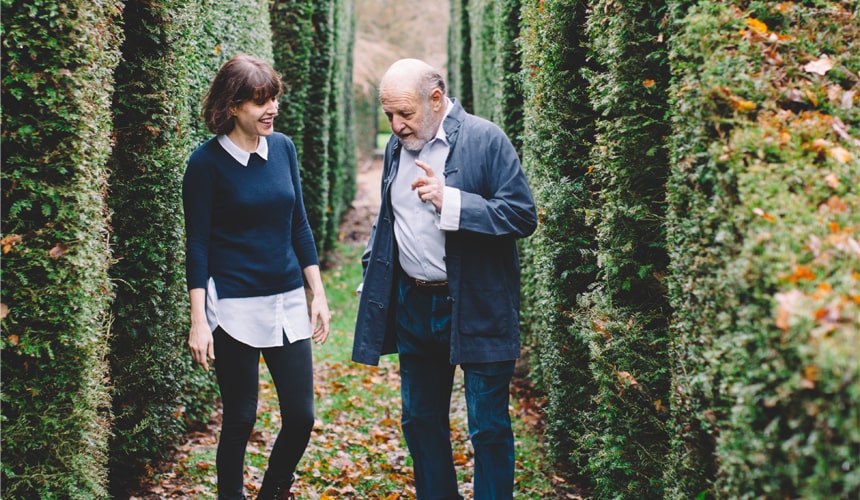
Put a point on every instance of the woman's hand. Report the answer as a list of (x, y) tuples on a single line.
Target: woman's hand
[(200, 337), (319, 314), (320, 318), (201, 345)]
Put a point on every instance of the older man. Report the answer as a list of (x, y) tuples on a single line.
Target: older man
[(442, 277)]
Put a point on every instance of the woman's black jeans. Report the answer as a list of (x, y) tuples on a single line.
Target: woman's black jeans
[(237, 370)]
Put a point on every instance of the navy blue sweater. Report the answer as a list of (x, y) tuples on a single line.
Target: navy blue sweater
[(246, 226)]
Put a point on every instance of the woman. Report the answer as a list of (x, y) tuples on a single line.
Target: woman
[(249, 252)]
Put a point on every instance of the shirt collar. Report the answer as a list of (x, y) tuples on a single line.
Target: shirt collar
[(240, 154), (440, 133)]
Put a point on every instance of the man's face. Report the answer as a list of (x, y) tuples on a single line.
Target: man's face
[(412, 120)]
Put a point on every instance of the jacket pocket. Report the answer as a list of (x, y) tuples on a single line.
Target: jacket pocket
[(487, 312)]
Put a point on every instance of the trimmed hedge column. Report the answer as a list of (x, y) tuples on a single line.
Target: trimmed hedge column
[(342, 162), (765, 245), (58, 61), (173, 51), (459, 55), (559, 262), (157, 392), (627, 309), (495, 64), (292, 26)]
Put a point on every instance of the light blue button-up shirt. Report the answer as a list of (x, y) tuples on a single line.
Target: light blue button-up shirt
[(419, 229)]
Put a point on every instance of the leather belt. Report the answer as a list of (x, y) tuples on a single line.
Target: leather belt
[(426, 284)]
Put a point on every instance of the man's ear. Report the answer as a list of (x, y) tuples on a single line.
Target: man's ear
[(437, 99)]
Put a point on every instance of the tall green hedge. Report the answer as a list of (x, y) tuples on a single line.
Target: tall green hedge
[(459, 76), (342, 160), (293, 27), (752, 265), (57, 62), (483, 56), (157, 392), (314, 57), (559, 260), (763, 233), (317, 150), (494, 69), (92, 237), (627, 309)]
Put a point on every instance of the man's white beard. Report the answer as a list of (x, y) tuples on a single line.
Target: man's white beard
[(423, 135)]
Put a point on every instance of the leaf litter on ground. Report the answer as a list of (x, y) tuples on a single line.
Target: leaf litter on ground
[(356, 450)]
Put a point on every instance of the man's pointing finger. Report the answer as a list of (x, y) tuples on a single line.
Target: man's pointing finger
[(426, 168)]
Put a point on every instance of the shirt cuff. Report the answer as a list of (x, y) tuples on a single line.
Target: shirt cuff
[(449, 219)]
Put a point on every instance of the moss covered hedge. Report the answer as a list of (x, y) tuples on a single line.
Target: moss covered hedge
[(57, 86), (763, 231), (691, 295), (101, 104)]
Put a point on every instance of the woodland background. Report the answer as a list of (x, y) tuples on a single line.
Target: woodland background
[(691, 298)]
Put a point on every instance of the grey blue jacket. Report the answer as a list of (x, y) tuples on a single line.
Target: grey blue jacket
[(483, 267)]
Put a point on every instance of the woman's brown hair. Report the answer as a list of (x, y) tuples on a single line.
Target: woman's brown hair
[(241, 78)]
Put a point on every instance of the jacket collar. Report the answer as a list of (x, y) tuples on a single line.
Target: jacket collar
[(451, 125), (453, 121)]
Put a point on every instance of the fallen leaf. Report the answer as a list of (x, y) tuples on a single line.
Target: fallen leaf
[(627, 377), (4, 310), (764, 215), (836, 204), (810, 373), (802, 273), (10, 241), (840, 154), (820, 66), (786, 305), (58, 251), (756, 25), (742, 105), (648, 83), (832, 180)]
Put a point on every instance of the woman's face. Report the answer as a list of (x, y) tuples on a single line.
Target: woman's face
[(254, 119)]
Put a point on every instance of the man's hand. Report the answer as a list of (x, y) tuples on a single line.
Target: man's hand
[(428, 186)]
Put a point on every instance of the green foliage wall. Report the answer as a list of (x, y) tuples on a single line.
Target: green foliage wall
[(157, 392), (307, 58), (93, 264), (342, 161), (627, 310), (691, 292), (494, 68), (559, 260), (483, 56), (293, 27), (459, 76), (763, 232), (224, 28), (58, 62)]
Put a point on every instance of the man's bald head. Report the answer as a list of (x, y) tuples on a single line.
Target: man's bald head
[(412, 75), (412, 94)]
